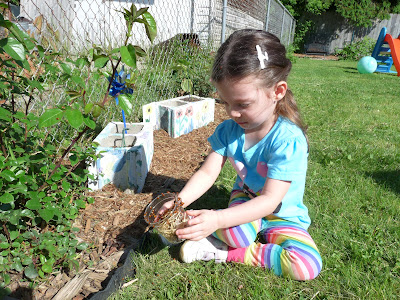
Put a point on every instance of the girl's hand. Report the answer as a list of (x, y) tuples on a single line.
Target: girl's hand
[(167, 206), (203, 223)]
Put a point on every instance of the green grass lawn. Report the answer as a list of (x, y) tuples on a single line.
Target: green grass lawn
[(352, 192)]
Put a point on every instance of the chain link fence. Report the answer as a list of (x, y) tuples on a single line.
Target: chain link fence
[(194, 28)]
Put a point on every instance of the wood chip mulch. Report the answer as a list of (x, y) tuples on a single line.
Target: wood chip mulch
[(115, 222)]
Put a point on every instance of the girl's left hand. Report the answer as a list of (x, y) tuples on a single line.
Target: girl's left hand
[(202, 224)]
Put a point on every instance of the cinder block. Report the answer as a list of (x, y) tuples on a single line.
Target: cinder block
[(179, 115), (125, 158)]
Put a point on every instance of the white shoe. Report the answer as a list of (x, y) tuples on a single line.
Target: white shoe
[(206, 249)]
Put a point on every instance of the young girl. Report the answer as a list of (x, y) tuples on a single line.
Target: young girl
[(266, 221)]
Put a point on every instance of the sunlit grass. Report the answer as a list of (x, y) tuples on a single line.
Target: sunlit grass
[(352, 192)]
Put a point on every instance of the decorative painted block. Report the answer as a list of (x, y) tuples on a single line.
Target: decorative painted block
[(125, 158), (180, 115)]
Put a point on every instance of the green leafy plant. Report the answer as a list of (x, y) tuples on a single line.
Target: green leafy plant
[(190, 67), (182, 68), (98, 59), (41, 192), (43, 188), (357, 49)]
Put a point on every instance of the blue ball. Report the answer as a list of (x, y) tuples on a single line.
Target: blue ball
[(367, 65)]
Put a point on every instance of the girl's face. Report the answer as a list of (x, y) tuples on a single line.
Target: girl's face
[(249, 105)]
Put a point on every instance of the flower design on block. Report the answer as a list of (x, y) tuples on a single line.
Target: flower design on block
[(189, 111), (205, 107), (179, 113), (147, 112)]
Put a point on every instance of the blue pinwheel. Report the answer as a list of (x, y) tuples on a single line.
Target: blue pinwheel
[(118, 86)]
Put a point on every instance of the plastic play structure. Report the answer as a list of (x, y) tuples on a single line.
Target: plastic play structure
[(387, 52)]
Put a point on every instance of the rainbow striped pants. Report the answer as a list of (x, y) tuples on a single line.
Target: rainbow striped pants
[(284, 247)]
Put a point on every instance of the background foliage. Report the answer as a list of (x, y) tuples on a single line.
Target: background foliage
[(359, 13)]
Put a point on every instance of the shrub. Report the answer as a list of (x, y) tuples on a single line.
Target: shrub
[(42, 183), (357, 49)]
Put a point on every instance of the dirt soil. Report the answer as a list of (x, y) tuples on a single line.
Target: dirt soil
[(317, 56), (114, 222)]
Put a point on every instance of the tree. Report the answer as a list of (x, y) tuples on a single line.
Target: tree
[(358, 12)]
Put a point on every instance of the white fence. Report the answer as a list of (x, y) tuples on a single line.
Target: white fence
[(81, 23)]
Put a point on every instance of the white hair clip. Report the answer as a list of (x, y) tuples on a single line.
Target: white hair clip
[(261, 56)]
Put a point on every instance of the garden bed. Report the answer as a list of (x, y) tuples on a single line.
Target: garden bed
[(114, 222)]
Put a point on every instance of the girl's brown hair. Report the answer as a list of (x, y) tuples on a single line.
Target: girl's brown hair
[(237, 58)]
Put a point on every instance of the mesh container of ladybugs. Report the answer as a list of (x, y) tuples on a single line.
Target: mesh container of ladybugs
[(166, 220)]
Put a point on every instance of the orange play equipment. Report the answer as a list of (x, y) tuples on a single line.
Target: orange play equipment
[(394, 45), (387, 52)]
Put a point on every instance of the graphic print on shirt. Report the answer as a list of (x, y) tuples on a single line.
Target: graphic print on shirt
[(262, 168)]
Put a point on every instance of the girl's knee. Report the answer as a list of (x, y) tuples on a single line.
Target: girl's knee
[(235, 238), (305, 268)]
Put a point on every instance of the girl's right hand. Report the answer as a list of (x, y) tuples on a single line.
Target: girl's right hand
[(163, 209)]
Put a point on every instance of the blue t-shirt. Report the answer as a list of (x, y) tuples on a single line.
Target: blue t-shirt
[(282, 154)]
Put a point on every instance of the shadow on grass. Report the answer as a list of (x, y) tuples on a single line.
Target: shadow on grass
[(388, 179), (151, 243)]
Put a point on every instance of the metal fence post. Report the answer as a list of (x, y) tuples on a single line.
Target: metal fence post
[(283, 22), (267, 17), (192, 17), (224, 8)]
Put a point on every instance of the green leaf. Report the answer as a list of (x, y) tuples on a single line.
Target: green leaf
[(17, 266), (140, 51), (74, 159), (27, 261), (128, 55), (80, 203), (101, 62), (31, 272), (16, 245), (88, 107), (151, 26), (141, 11), (18, 188), (47, 267), (6, 198), (96, 111), (89, 123), (81, 62), (82, 246), (125, 103), (46, 214), (66, 185), (66, 68), (8, 175), (74, 94), (37, 157), (187, 85), (6, 278), (5, 114), (74, 118), (27, 213), (33, 204), (15, 218), (36, 84), (79, 81), (13, 48), (42, 259), (50, 117), (13, 235), (4, 245)]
